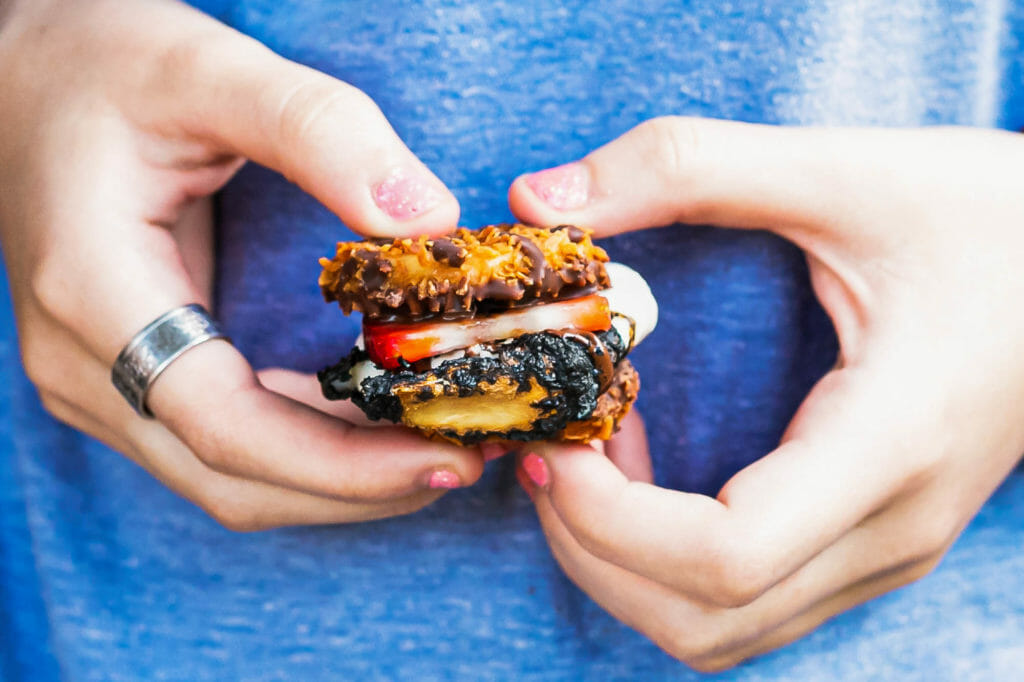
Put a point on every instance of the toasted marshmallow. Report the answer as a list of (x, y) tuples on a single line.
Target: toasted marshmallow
[(630, 296)]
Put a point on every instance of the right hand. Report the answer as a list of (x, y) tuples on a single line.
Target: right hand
[(120, 120), (913, 245)]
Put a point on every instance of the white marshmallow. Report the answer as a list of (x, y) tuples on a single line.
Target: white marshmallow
[(630, 296)]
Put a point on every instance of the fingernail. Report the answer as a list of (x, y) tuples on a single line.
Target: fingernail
[(563, 187), (492, 451), (537, 470), (524, 482), (405, 194), (445, 479)]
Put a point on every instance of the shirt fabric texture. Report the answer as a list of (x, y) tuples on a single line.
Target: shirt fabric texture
[(106, 575)]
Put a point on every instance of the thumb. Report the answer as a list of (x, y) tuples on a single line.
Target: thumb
[(850, 450), (628, 449), (794, 181), (325, 135)]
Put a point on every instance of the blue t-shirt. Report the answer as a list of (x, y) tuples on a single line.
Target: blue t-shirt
[(106, 575)]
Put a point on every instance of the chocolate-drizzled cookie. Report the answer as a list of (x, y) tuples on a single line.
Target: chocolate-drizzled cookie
[(544, 386), (463, 273)]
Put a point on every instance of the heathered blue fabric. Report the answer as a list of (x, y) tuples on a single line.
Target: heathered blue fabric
[(105, 575)]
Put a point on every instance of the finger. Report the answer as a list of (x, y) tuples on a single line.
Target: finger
[(238, 504), (323, 134), (210, 398), (813, 617), (245, 505), (305, 388), (638, 602), (193, 233), (67, 388), (873, 559), (628, 450), (125, 275), (492, 451), (702, 171), (837, 467), (68, 412)]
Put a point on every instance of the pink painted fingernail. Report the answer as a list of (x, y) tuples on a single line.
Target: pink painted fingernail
[(405, 194), (537, 470), (563, 187), (445, 479), (524, 481)]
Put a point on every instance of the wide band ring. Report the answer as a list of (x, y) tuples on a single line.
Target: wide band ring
[(154, 348)]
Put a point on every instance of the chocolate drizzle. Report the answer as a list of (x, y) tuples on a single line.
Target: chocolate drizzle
[(538, 264), (604, 365), (576, 235), (444, 250), (464, 273)]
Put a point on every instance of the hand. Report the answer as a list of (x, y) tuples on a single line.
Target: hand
[(915, 245), (120, 120)]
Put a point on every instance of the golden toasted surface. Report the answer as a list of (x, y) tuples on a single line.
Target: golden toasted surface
[(496, 406), (612, 406), (501, 408), (450, 276)]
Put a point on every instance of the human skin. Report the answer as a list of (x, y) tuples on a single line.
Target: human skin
[(120, 120), (914, 244)]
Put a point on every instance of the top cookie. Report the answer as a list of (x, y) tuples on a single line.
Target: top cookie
[(463, 273)]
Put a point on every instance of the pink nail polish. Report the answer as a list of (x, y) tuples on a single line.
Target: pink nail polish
[(405, 194), (524, 481), (537, 470), (445, 479), (563, 187)]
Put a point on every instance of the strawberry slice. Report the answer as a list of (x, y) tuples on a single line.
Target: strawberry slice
[(389, 342)]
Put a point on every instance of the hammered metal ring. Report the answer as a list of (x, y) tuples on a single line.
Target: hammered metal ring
[(154, 348)]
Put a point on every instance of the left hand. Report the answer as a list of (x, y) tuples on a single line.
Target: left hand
[(915, 243), (120, 120)]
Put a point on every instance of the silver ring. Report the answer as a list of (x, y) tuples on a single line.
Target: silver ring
[(154, 348)]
